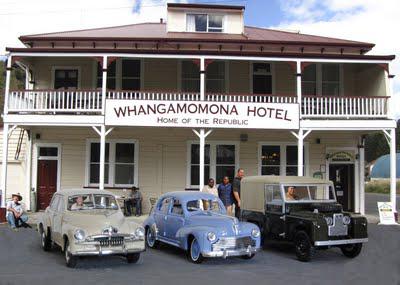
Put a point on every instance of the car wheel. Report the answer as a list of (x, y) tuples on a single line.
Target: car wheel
[(247, 257), (304, 249), (151, 240), (194, 254), (132, 257), (70, 259), (351, 250), (45, 240)]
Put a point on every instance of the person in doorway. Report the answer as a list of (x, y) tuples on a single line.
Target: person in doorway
[(16, 216), (225, 194), (78, 205), (236, 191)]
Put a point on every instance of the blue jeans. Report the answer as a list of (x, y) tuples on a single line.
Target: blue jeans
[(11, 219)]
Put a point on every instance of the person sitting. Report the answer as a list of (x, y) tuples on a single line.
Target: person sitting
[(290, 195), (210, 189), (78, 205), (16, 217)]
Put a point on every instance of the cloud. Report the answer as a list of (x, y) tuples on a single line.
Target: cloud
[(22, 17), (362, 20)]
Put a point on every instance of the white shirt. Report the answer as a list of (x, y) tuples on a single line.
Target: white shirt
[(11, 205), (208, 189)]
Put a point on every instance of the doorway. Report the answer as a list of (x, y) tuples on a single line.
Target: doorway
[(47, 179), (342, 176)]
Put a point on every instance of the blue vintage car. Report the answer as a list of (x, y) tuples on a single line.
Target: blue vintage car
[(197, 222)]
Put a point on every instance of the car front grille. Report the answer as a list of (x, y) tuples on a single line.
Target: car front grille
[(233, 243), (110, 241), (338, 228)]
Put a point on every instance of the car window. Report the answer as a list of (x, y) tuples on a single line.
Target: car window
[(204, 205), (177, 208), (273, 194), (92, 201), (164, 205)]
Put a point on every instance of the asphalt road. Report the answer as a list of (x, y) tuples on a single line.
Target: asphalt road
[(23, 262), (371, 199)]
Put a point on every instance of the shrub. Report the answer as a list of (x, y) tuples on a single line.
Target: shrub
[(380, 186)]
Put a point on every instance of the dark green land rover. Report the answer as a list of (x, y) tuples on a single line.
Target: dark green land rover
[(304, 211)]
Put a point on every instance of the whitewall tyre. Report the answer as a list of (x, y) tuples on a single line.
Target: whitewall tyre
[(70, 259), (194, 253)]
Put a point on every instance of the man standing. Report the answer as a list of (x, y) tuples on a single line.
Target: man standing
[(137, 201), (15, 212), (236, 191)]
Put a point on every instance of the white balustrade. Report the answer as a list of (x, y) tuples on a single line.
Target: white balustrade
[(344, 107)]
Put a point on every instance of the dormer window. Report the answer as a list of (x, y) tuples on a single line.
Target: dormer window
[(204, 23)]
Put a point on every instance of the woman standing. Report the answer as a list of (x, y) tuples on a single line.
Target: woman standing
[(225, 194)]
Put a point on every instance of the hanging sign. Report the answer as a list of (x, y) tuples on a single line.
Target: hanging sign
[(204, 114), (386, 214), (341, 156)]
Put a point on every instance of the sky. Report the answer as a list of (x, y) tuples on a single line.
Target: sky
[(363, 20)]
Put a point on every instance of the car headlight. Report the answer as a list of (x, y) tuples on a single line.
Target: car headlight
[(329, 221), (211, 236), (346, 220), (255, 233), (79, 234), (139, 232)]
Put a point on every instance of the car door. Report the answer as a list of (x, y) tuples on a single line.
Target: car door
[(51, 211), (160, 216), (275, 219), (175, 220), (58, 219)]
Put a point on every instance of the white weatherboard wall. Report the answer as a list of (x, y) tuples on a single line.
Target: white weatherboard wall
[(16, 172), (162, 152)]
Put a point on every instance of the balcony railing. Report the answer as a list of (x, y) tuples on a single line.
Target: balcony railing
[(90, 102), (344, 107)]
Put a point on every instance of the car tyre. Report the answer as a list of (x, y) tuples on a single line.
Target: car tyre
[(151, 240), (132, 257), (45, 240), (70, 260), (351, 250), (304, 248), (194, 253)]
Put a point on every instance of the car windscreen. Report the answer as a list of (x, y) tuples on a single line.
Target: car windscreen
[(91, 201), (204, 205), (309, 193)]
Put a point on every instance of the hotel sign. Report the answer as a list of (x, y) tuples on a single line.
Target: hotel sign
[(204, 114)]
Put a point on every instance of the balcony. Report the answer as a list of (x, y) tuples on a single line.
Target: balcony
[(89, 102)]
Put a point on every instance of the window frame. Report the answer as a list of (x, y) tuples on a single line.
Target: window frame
[(283, 164), (272, 73), (319, 81), (213, 159), (118, 74), (111, 162), (208, 21), (54, 68)]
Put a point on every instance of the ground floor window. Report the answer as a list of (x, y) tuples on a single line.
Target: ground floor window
[(220, 159), (121, 166), (280, 159)]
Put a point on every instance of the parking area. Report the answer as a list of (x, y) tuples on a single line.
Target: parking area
[(23, 262)]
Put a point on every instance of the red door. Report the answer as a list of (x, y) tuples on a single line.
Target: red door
[(46, 182)]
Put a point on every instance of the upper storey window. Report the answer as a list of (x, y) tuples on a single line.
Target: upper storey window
[(204, 23)]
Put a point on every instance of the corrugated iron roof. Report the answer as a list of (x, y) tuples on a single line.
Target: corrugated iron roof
[(158, 32)]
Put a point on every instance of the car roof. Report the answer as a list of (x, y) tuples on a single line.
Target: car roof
[(274, 179), (72, 192), (184, 196)]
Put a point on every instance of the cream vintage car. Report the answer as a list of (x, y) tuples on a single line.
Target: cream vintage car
[(89, 223)]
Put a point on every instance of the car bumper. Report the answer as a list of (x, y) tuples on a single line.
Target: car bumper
[(232, 252), (340, 242), (97, 249)]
